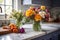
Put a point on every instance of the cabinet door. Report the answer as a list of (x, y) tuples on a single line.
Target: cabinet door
[(58, 36), (55, 35)]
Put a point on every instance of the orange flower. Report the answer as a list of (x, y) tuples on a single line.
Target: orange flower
[(12, 26), (42, 7), (15, 30), (29, 13), (38, 17)]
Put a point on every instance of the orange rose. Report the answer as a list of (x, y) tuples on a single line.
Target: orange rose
[(43, 7), (38, 17), (12, 26), (15, 30), (29, 13)]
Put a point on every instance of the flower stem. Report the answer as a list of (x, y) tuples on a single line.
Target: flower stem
[(37, 26)]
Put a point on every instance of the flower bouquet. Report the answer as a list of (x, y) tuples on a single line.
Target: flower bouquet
[(31, 14), (35, 15), (18, 16)]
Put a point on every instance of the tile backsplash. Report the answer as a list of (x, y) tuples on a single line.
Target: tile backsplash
[(55, 12)]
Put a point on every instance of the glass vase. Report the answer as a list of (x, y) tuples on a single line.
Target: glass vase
[(36, 26), (18, 23)]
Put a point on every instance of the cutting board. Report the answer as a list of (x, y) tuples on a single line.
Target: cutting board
[(4, 31)]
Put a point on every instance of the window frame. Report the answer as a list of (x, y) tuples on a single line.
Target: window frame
[(4, 6)]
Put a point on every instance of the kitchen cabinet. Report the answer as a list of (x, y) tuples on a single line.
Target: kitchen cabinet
[(51, 36)]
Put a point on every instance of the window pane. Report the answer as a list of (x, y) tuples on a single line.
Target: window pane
[(8, 2), (16, 4), (27, 1), (8, 9), (1, 1)]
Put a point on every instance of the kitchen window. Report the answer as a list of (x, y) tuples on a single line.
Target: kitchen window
[(8, 5)]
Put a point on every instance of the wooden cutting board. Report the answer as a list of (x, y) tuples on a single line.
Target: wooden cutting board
[(4, 31)]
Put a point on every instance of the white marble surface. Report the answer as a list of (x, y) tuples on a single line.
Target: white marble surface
[(44, 26), (30, 34), (25, 36), (47, 27)]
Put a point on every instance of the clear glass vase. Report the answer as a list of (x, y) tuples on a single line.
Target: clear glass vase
[(18, 23), (36, 26)]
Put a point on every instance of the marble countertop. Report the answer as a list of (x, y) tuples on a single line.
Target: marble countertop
[(18, 36), (30, 34)]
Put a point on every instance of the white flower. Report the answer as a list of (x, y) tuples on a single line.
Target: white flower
[(19, 11), (42, 13)]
